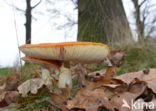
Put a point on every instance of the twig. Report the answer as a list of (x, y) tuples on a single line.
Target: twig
[(36, 4)]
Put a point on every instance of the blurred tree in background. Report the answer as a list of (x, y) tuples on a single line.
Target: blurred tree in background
[(103, 21), (145, 18), (98, 20), (28, 17)]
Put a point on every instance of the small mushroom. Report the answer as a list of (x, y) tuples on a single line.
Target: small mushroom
[(80, 52)]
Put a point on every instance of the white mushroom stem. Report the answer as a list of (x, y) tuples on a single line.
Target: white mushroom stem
[(65, 78), (45, 75)]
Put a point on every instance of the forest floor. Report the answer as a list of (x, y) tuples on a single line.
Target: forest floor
[(136, 58)]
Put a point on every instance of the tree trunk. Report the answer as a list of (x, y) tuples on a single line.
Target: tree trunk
[(28, 21), (102, 21)]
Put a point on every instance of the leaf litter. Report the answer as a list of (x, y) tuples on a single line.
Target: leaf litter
[(100, 90)]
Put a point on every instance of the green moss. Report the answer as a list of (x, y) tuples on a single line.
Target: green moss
[(5, 71), (35, 104), (28, 70), (138, 59)]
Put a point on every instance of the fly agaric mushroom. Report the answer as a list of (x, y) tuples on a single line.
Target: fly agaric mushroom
[(81, 52)]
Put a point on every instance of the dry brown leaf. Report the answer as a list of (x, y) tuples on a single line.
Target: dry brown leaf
[(85, 99), (80, 71), (116, 56), (128, 95), (11, 82), (8, 93), (88, 98), (8, 97), (97, 74), (11, 96), (110, 71), (112, 83), (106, 73), (3, 103), (92, 97), (31, 86), (148, 75), (2, 87), (60, 97)]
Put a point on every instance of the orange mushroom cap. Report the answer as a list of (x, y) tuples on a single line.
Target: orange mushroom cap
[(84, 52)]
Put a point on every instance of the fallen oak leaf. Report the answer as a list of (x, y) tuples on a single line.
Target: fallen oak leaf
[(61, 93), (147, 95), (3, 103), (80, 71), (97, 74), (8, 94), (91, 98), (8, 97), (116, 56), (112, 83), (31, 86), (107, 79), (2, 87), (117, 101), (11, 82), (110, 71), (11, 96), (117, 89), (60, 97), (106, 74), (77, 109), (85, 99), (149, 78), (135, 87)]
